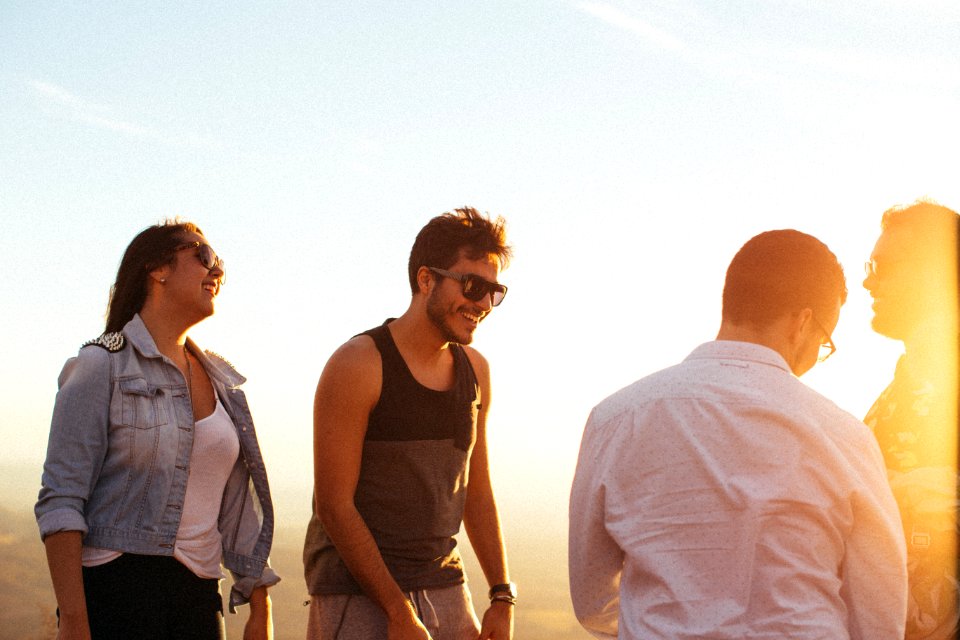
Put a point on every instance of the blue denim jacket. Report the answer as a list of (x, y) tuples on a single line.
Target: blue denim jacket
[(119, 455)]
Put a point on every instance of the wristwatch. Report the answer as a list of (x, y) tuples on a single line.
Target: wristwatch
[(506, 592)]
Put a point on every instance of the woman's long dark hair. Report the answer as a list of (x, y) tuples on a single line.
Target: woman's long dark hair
[(150, 249)]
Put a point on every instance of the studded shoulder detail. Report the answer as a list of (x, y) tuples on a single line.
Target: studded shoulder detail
[(219, 357), (112, 342)]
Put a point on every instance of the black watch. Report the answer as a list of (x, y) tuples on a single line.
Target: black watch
[(508, 589)]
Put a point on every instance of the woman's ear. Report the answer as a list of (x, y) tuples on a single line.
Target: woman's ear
[(160, 274)]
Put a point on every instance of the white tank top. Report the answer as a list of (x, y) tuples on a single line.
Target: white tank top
[(198, 545)]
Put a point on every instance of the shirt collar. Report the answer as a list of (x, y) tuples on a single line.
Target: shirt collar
[(139, 336), (740, 351)]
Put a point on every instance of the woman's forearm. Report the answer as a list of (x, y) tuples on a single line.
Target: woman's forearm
[(63, 557)]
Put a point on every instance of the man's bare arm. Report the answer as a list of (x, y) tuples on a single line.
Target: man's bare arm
[(348, 390), (481, 518)]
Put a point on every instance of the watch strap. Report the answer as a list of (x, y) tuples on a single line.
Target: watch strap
[(506, 590)]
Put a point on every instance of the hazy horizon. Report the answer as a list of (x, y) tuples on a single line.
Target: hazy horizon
[(538, 565), (633, 147)]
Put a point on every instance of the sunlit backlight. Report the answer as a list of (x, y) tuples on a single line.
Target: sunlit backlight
[(912, 277)]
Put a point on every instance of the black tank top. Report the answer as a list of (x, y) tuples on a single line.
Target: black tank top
[(412, 485)]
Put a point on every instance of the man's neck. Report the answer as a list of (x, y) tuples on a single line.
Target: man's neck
[(931, 350), (417, 337), (771, 336)]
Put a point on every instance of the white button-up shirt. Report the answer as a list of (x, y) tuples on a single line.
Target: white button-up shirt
[(723, 498)]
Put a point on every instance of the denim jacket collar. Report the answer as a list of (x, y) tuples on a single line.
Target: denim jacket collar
[(139, 336)]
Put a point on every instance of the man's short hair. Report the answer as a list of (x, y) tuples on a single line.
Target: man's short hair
[(781, 272), (463, 231), (922, 214), (930, 223)]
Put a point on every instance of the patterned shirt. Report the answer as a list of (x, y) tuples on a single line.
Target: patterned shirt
[(915, 423)]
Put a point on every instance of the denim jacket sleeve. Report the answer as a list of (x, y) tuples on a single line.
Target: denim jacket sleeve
[(248, 568), (246, 513), (78, 442)]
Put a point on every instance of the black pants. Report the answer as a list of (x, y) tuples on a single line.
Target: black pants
[(151, 598)]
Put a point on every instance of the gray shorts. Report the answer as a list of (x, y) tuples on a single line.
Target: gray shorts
[(446, 613)]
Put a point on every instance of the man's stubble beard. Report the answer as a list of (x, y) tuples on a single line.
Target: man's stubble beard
[(437, 314)]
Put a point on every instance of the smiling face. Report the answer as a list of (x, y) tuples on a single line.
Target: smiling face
[(454, 316), (190, 286)]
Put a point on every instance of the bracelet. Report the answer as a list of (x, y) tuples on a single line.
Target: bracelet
[(504, 597), (506, 592)]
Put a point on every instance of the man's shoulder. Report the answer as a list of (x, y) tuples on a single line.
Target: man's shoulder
[(477, 359), (358, 344), (831, 414), (654, 386), (358, 354), (686, 380)]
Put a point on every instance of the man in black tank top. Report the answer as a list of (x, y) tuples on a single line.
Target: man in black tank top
[(400, 456)]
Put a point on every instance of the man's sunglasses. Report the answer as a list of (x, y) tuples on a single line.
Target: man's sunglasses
[(207, 257), (474, 287)]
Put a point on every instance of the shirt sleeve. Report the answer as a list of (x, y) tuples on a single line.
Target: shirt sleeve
[(243, 586), (77, 444), (874, 566), (595, 559), (247, 575)]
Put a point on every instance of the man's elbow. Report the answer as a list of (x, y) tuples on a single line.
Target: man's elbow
[(333, 509), (601, 618)]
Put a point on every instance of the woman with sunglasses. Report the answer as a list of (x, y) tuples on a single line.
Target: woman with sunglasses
[(153, 474)]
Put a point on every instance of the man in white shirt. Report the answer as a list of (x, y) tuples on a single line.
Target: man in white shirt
[(723, 498)]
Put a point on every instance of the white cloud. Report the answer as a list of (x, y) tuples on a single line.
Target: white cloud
[(81, 110), (612, 15), (61, 96), (65, 104), (788, 63)]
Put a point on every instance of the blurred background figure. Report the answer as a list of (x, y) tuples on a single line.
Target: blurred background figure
[(912, 278)]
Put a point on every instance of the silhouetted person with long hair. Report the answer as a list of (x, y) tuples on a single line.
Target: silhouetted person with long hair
[(153, 476), (912, 277)]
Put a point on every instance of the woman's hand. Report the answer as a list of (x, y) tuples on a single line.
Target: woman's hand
[(260, 623), (73, 629)]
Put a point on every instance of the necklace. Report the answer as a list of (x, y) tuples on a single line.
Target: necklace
[(189, 374)]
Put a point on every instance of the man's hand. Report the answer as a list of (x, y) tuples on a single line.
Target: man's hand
[(405, 625), (497, 622)]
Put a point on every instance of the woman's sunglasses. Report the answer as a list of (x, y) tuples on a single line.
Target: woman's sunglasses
[(207, 257), (474, 287)]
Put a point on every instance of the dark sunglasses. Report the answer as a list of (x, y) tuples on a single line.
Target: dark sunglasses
[(207, 257), (474, 287)]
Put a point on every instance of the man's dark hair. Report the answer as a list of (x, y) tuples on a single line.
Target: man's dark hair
[(150, 249), (781, 272), (463, 231)]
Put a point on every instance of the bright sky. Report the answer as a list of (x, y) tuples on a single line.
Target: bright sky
[(632, 146)]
